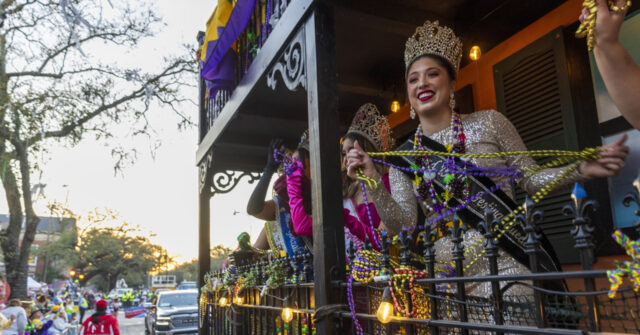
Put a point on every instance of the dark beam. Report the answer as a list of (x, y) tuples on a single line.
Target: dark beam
[(328, 225)]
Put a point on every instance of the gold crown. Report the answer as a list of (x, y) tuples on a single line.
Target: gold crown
[(369, 123), (433, 39)]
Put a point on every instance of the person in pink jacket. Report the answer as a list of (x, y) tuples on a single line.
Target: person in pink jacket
[(370, 129)]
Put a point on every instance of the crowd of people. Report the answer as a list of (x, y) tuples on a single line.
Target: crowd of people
[(64, 313)]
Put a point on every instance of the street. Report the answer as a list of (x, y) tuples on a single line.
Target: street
[(134, 326)]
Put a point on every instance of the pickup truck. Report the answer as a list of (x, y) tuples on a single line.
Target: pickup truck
[(173, 312)]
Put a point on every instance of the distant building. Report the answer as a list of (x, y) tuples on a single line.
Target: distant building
[(49, 230)]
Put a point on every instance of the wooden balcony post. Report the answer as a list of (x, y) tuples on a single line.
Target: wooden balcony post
[(322, 99), (204, 242)]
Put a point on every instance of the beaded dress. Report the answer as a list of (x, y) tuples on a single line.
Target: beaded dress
[(486, 131)]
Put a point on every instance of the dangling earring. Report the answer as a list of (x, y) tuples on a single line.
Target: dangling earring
[(452, 101), (412, 113)]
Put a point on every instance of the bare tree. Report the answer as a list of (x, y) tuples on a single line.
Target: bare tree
[(57, 86)]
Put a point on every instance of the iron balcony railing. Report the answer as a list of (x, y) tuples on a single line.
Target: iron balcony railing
[(250, 298), (265, 17)]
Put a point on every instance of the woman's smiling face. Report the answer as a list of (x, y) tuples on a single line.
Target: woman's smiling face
[(428, 86)]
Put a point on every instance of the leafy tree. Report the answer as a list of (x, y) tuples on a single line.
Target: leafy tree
[(56, 86), (106, 249), (113, 253)]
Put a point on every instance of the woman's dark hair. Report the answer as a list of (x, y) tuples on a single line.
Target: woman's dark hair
[(440, 60), (350, 186)]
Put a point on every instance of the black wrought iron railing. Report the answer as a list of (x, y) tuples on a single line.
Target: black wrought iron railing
[(265, 17), (516, 302)]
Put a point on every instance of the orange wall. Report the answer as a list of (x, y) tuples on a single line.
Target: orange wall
[(480, 73)]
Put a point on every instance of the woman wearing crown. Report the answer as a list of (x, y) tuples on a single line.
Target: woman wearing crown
[(360, 216), (432, 58), (371, 130)]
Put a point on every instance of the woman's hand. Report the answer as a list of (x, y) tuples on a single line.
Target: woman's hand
[(608, 23), (610, 163), (357, 158), (272, 164)]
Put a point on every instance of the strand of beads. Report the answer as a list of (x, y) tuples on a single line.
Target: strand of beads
[(352, 307), (587, 27), (376, 238), (509, 220), (404, 275), (586, 154)]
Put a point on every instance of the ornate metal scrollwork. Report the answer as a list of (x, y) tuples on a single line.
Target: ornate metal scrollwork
[(224, 182), (204, 172), (291, 65)]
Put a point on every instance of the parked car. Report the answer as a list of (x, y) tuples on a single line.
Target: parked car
[(187, 285), (173, 312)]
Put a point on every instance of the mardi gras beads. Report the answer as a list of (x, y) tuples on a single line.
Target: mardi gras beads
[(587, 27), (627, 268)]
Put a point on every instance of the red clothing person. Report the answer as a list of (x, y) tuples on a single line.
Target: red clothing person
[(100, 323)]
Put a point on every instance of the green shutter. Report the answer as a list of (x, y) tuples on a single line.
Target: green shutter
[(532, 90)]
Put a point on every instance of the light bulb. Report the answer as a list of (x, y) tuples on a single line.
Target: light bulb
[(395, 106), (287, 314), (385, 312), (238, 300), (223, 301), (475, 53)]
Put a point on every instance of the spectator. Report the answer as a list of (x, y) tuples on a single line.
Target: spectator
[(100, 323), (16, 312), (620, 73), (6, 323)]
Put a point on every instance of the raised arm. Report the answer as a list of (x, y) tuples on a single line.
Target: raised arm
[(302, 222), (620, 73), (257, 206), (508, 139)]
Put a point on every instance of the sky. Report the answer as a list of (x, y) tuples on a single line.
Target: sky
[(158, 193)]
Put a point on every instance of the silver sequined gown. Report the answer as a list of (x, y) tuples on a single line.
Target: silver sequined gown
[(485, 131)]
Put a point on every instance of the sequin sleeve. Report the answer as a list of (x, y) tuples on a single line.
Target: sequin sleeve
[(398, 208), (508, 139)]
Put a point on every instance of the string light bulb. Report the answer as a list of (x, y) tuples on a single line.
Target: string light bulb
[(475, 53), (239, 299), (395, 106), (287, 312), (224, 301), (385, 310)]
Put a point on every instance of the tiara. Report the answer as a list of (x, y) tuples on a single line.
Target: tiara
[(369, 123), (433, 39), (304, 140)]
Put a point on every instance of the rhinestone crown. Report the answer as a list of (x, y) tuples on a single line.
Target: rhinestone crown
[(369, 123), (431, 38)]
